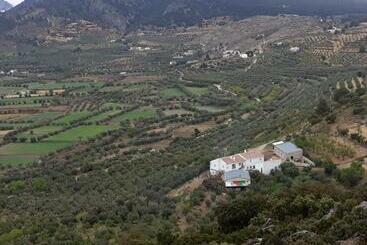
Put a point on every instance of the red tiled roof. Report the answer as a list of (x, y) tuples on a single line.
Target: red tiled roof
[(242, 157), (233, 159), (252, 154)]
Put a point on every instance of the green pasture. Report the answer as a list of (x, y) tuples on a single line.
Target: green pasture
[(102, 116), (80, 133), (171, 93), (138, 114), (37, 132), (72, 117), (198, 91), (24, 153)]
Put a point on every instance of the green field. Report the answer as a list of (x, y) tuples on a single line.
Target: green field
[(10, 90), (138, 114), (63, 85), (36, 132), (212, 109), (14, 117), (79, 134), (14, 125), (114, 106), (273, 94), (136, 87), (171, 93), (198, 91), (22, 153), (72, 117), (16, 160), (43, 116), (25, 153), (102, 116), (26, 100), (176, 112)]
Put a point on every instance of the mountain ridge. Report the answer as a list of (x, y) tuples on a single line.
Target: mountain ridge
[(134, 14)]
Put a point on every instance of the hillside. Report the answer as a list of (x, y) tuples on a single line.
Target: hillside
[(4, 6), (105, 138), (127, 14)]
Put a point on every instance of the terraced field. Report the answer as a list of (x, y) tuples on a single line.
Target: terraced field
[(138, 114), (78, 134), (25, 153), (72, 117), (134, 124)]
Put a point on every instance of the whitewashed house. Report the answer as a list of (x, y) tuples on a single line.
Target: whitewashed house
[(244, 55), (251, 160), (294, 49)]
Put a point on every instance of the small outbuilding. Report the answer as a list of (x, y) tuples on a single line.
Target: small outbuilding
[(238, 178), (288, 151)]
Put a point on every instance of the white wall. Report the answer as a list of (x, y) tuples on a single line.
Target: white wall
[(270, 165), (218, 166), (254, 164)]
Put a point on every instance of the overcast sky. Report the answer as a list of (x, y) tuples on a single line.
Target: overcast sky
[(14, 2)]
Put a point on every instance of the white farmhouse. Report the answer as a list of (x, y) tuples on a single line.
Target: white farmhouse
[(294, 49), (244, 55), (251, 160)]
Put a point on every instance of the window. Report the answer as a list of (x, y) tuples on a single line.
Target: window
[(233, 166)]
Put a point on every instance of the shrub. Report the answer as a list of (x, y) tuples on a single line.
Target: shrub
[(238, 213), (39, 184), (351, 176), (289, 169)]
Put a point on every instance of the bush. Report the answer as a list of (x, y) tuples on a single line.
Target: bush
[(351, 176), (289, 169), (39, 184), (238, 213), (329, 168), (16, 185)]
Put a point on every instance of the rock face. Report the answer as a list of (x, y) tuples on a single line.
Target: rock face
[(4, 6), (132, 14)]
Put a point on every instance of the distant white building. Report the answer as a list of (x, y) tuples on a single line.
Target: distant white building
[(189, 52), (334, 30), (12, 72), (232, 53), (244, 55), (138, 48), (294, 49)]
